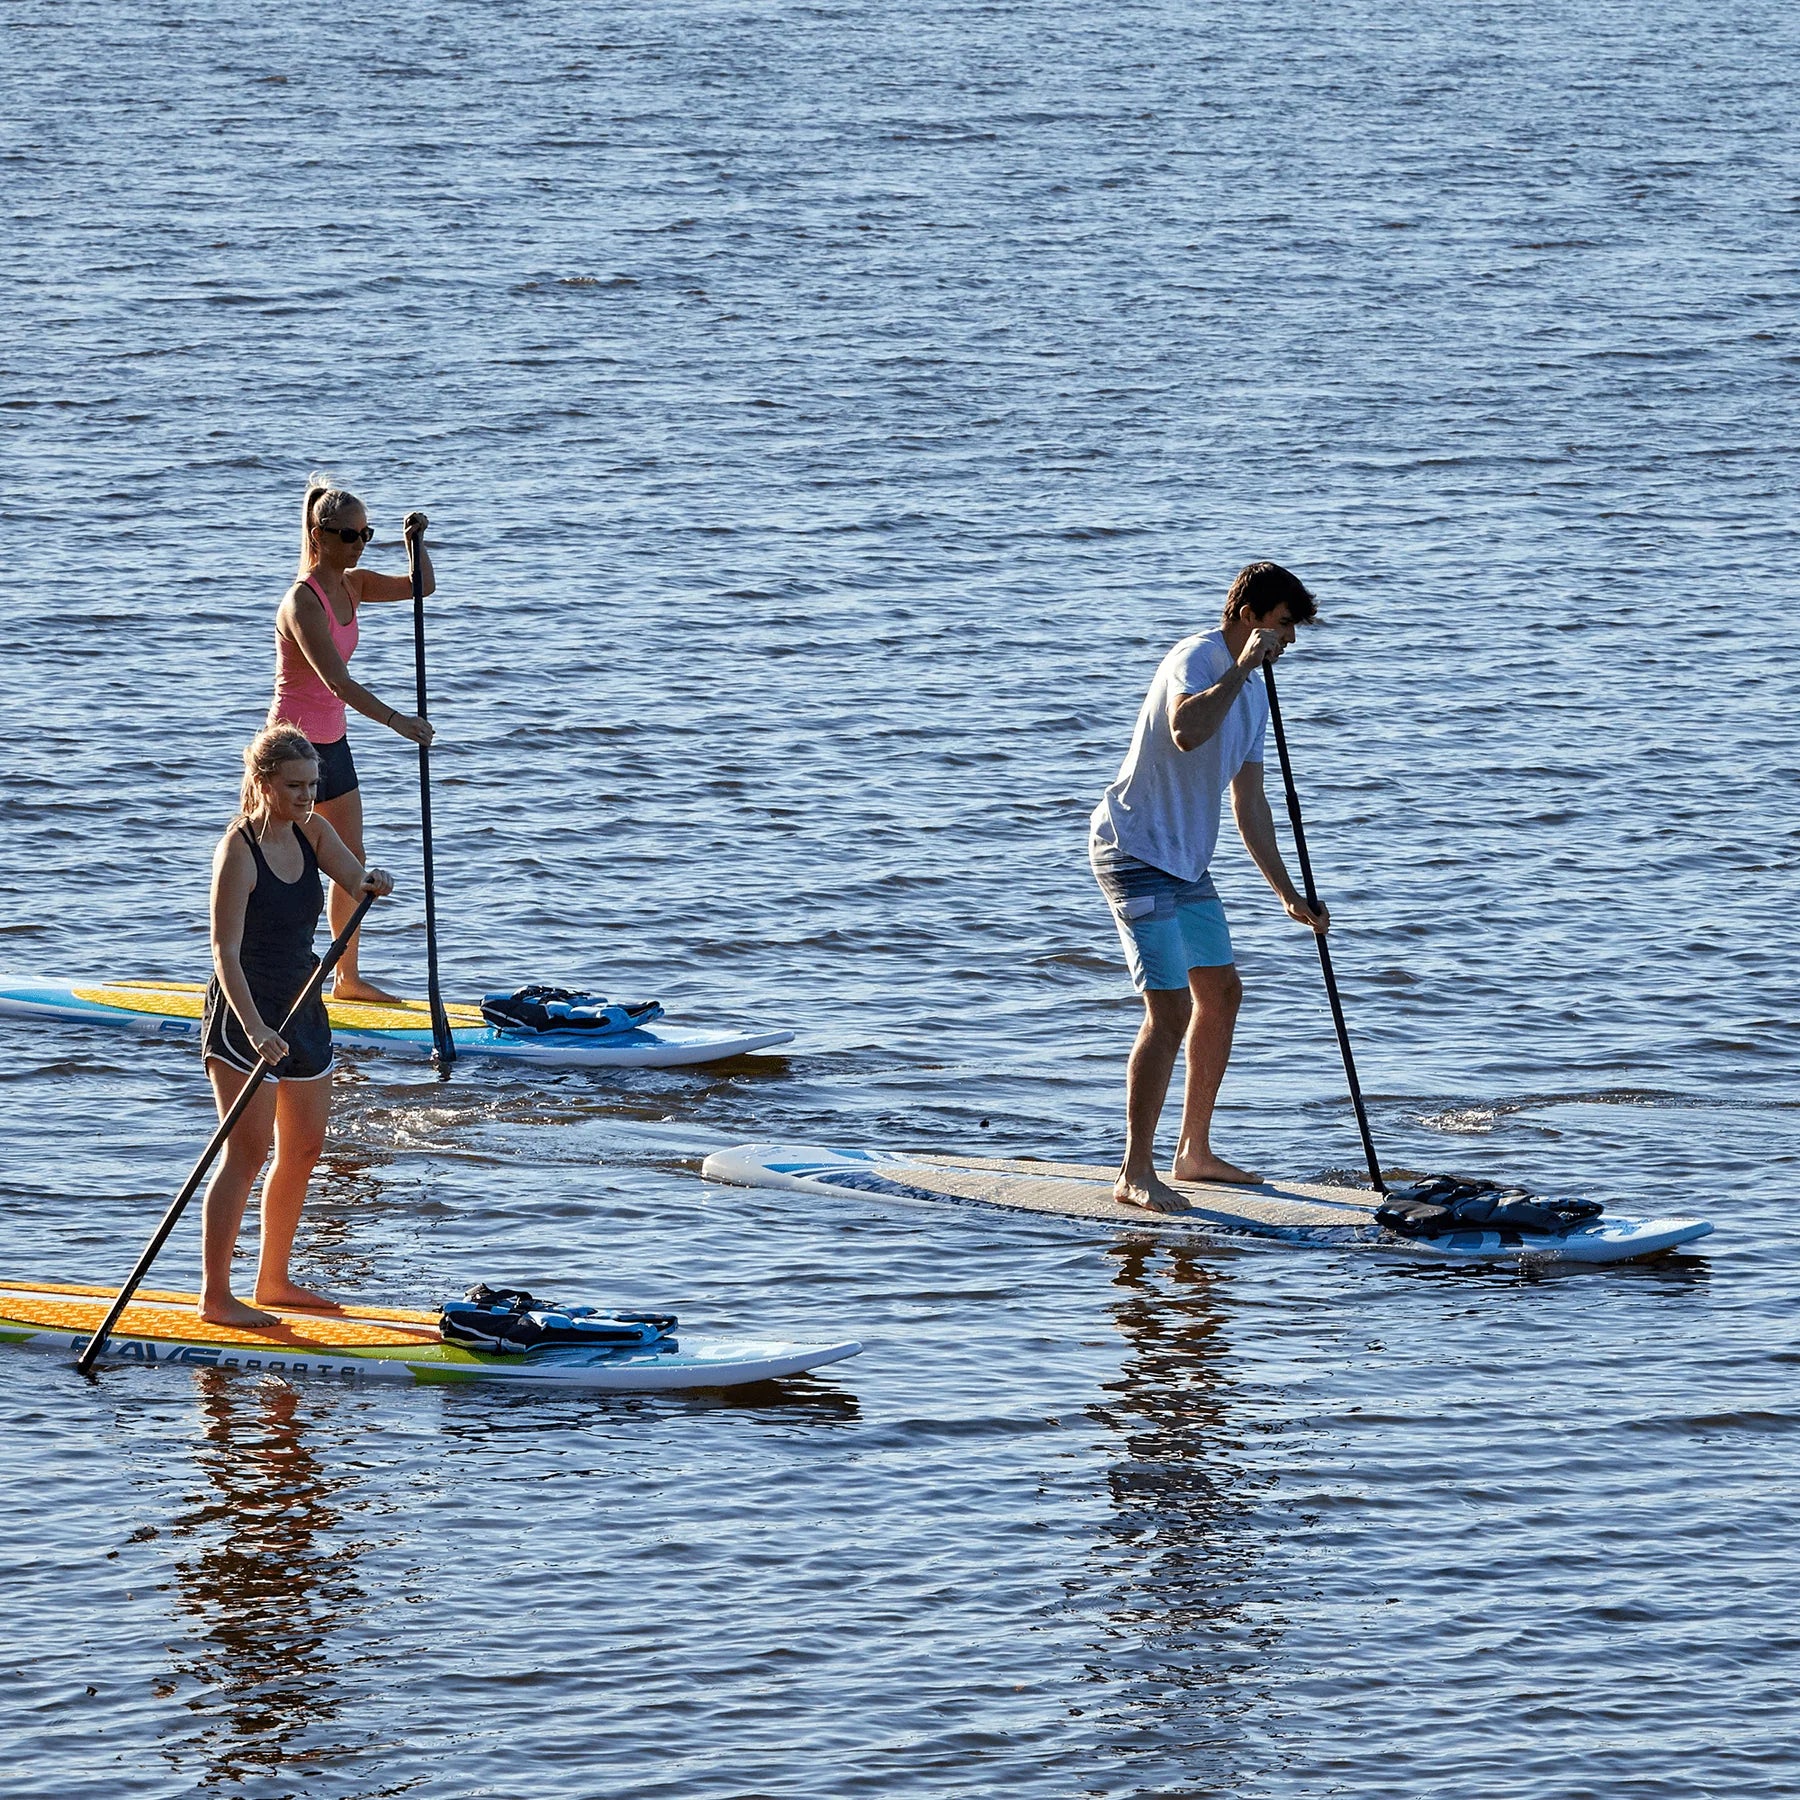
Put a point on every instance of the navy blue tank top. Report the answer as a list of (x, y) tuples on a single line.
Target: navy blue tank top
[(280, 918)]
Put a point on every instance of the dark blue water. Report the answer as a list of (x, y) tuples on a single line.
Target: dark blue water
[(828, 416)]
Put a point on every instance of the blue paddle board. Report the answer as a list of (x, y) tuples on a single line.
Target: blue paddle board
[(173, 1009)]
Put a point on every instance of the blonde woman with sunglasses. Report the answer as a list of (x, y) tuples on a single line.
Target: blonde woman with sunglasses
[(316, 631)]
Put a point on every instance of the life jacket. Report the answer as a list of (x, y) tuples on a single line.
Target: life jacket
[(1443, 1204), (530, 1010), (513, 1322)]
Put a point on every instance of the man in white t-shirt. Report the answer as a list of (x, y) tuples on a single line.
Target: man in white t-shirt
[(1199, 731)]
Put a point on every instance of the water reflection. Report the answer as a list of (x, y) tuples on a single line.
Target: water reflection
[(1177, 1561), (485, 1419), (264, 1580)]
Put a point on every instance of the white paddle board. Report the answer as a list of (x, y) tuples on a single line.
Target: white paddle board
[(173, 1009), (1294, 1211)]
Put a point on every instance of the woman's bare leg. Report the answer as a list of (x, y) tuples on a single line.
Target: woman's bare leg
[(345, 816), (301, 1113), (222, 1211)]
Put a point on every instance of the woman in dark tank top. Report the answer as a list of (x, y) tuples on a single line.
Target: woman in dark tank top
[(266, 902)]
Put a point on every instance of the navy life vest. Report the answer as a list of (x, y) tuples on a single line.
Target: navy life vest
[(1443, 1204), (529, 1011), (514, 1322)]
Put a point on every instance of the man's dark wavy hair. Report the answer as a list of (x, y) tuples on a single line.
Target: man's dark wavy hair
[(1260, 587)]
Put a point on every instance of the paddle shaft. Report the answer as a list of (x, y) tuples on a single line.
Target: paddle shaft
[(444, 1046), (85, 1361), (1312, 900)]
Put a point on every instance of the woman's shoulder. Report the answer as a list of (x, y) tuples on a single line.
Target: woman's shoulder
[(298, 594), (234, 847)]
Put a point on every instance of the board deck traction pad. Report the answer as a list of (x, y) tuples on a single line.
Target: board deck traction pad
[(176, 1007), (1292, 1211), (381, 1342)]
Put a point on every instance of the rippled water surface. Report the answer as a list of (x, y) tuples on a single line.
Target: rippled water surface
[(828, 414)]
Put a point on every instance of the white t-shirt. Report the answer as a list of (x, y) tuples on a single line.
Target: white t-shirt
[(1164, 807)]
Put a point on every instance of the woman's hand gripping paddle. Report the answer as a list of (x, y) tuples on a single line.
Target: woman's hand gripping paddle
[(1312, 900), (443, 1045), (97, 1343)]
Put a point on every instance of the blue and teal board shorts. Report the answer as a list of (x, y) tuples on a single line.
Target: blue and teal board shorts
[(1167, 925)]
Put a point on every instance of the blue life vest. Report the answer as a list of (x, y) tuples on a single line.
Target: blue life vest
[(513, 1322), (531, 1011)]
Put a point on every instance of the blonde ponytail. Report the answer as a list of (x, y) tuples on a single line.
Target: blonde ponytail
[(324, 502)]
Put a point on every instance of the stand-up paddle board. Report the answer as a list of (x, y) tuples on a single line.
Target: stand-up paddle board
[(173, 1009), (1303, 1212), (379, 1343)]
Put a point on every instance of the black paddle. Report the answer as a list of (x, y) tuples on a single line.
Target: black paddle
[(1312, 900), (85, 1361), (444, 1046)]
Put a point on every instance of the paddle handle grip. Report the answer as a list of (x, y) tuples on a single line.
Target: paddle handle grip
[(1312, 900), (97, 1343)]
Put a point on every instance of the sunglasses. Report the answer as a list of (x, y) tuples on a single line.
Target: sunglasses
[(349, 536)]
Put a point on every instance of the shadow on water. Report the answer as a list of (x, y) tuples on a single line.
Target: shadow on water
[(264, 1580), (1177, 1559)]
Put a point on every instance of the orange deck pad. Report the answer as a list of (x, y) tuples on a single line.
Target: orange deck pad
[(162, 1319)]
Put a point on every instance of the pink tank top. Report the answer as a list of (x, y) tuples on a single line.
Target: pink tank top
[(301, 696)]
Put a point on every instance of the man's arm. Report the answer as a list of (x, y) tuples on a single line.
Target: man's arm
[(1256, 826), (1193, 718)]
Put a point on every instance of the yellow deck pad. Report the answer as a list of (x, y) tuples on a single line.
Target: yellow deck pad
[(353, 1309), (186, 1000), (173, 1318)]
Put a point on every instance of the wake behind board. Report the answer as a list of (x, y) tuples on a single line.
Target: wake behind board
[(173, 1009), (1302, 1212), (380, 1343)]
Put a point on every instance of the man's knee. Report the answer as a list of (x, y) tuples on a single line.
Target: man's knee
[(1166, 1012), (1217, 990)]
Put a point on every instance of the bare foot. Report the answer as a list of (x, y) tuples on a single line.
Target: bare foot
[(292, 1296), (355, 988), (232, 1311), (1214, 1168), (1151, 1193)]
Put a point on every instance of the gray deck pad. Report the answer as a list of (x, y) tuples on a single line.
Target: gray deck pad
[(1084, 1190)]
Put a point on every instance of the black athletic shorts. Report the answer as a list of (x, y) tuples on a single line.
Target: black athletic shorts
[(309, 1042), (337, 773)]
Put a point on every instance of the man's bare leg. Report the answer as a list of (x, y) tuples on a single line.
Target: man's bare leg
[(1217, 993), (1147, 1075)]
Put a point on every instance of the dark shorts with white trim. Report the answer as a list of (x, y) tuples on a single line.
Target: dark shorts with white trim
[(310, 1054)]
